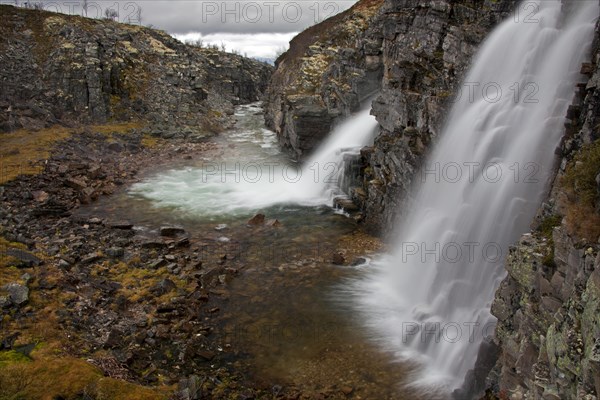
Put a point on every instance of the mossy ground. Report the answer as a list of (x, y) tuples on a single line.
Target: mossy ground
[(23, 151), (56, 367), (8, 271)]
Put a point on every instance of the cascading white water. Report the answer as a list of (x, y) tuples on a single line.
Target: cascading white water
[(237, 186), (478, 192)]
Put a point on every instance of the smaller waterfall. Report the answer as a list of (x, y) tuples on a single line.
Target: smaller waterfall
[(239, 186), (327, 165)]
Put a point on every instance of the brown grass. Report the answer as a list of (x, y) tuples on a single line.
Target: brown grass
[(48, 377), (23, 151), (579, 184)]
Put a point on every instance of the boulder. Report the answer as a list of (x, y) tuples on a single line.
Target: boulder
[(18, 294), (171, 231), (258, 219)]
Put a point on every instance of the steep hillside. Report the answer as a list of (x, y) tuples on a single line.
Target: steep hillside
[(59, 68), (329, 69)]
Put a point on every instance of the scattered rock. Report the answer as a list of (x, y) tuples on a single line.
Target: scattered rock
[(206, 354), (190, 388), (125, 225), (5, 302), (338, 258), (183, 242), (26, 278), (358, 261), (115, 252), (116, 147), (173, 268), (345, 204), (18, 294), (347, 390), (258, 219), (76, 184), (171, 231), (158, 263), (51, 208), (162, 287), (25, 258), (153, 244), (273, 223), (91, 258), (40, 196), (113, 339)]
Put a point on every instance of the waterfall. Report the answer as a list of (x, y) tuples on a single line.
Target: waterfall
[(429, 301)]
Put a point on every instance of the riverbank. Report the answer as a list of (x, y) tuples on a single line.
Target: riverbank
[(162, 310)]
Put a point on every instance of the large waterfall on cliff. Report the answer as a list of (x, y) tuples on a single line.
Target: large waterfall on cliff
[(478, 192)]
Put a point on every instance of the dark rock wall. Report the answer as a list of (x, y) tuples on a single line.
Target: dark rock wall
[(56, 67), (427, 48)]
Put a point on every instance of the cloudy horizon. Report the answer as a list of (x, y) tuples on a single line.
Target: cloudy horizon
[(260, 29)]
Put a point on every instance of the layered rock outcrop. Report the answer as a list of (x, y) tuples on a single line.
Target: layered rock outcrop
[(61, 68)]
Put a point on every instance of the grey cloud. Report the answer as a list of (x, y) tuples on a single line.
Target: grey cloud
[(209, 17)]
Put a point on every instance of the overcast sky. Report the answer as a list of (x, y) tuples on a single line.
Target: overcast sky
[(258, 28)]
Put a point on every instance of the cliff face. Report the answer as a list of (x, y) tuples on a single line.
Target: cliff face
[(328, 71), (427, 48), (60, 68), (548, 306)]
